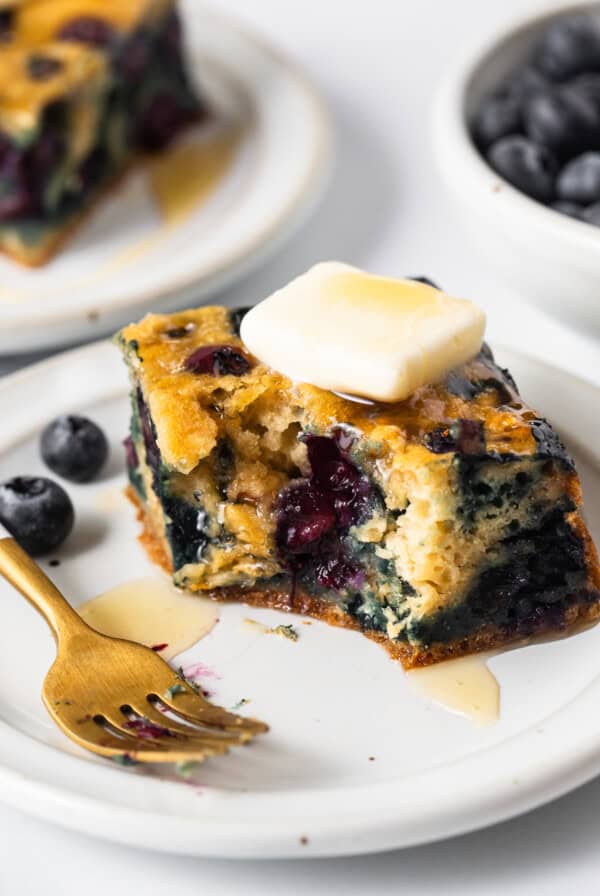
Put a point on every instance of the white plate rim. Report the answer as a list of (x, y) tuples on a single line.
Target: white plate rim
[(541, 768), (273, 232)]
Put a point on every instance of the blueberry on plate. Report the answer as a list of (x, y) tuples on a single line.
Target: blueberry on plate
[(563, 120), (497, 116), (572, 209), (74, 448), (568, 46), (37, 512), (591, 214), (579, 180), (524, 164)]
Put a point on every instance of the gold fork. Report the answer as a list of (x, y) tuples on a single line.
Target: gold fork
[(112, 696)]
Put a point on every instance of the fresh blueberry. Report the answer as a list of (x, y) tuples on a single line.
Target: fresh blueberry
[(522, 83), (579, 181), (524, 164), (564, 120), (37, 512), (497, 116), (74, 447), (591, 214), (569, 46), (572, 209), (218, 360), (587, 86), (92, 30)]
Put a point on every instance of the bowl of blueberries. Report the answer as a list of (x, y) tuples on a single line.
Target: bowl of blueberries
[(517, 139)]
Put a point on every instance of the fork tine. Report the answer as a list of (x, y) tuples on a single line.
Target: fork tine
[(117, 743), (191, 706), (90, 735), (185, 736), (148, 749), (157, 717)]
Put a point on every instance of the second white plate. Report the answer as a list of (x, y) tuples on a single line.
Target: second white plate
[(125, 261)]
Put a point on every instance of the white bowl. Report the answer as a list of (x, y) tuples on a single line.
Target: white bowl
[(548, 258)]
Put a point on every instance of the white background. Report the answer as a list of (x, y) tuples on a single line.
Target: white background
[(378, 63)]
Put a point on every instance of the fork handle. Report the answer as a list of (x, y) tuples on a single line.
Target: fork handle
[(17, 567)]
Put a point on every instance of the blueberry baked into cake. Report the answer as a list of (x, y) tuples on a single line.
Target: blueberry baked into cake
[(439, 524), (85, 85)]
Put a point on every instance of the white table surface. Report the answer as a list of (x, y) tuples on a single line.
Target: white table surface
[(378, 62)]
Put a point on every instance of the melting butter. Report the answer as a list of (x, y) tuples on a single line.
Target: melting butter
[(153, 612), (465, 686), (377, 338)]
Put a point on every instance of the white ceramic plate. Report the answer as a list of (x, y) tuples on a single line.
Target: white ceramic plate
[(123, 261), (333, 698)]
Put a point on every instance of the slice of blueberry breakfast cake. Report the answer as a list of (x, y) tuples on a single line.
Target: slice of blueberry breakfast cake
[(436, 512), (85, 85)]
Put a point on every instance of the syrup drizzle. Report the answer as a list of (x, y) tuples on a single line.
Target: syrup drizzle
[(465, 686), (188, 174), (153, 612)]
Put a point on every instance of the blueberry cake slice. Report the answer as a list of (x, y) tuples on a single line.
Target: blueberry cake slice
[(440, 525), (85, 85)]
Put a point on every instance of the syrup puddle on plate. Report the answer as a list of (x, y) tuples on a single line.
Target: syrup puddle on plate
[(465, 686), (153, 612), (180, 182), (186, 176)]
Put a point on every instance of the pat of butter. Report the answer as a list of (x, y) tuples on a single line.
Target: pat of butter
[(345, 330)]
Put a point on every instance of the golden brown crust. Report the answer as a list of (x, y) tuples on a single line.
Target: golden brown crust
[(490, 637), (149, 538)]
